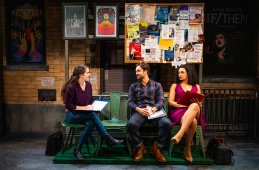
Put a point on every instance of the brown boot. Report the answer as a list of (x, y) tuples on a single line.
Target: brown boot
[(157, 153), (138, 155)]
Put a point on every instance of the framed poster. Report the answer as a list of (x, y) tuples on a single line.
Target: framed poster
[(164, 33), (75, 20), (229, 41), (106, 21), (25, 27)]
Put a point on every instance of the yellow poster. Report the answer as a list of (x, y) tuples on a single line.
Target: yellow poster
[(165, 44), (133, 30)]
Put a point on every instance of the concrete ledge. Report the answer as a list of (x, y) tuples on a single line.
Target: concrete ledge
[(42, 118)]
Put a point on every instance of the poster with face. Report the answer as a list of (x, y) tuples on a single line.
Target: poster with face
[(228, 39), (26, 36), (106, 21)]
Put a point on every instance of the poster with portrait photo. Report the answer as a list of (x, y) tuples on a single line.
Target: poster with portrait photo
[(228, 39)]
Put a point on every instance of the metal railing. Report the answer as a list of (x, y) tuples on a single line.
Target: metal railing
[(231, 110)]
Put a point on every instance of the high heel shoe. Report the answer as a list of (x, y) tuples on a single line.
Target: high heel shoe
[(188, 154), (110, 141), (176, 139), (77, 153)]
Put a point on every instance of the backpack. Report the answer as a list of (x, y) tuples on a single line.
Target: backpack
[(219, 152)]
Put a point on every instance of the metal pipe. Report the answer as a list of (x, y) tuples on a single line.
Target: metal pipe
[(66, 61)]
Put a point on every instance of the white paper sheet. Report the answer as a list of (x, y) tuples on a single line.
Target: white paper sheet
[(160, 113), (99, 105)]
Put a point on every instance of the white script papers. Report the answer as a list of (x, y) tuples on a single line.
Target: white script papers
[(98, 105), (160, 113)]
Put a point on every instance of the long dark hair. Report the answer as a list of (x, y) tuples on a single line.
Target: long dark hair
[(191, 73), (215, 49), (78, 70)]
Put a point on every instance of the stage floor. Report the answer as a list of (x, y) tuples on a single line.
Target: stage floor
[(120, 155), (27, 151)]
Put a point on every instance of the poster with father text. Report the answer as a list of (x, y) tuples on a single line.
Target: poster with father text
[(229, 39)]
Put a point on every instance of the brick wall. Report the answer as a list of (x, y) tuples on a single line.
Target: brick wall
[(23, 111), (21, 87)]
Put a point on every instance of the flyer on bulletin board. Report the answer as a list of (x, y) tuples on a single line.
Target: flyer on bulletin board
[(178, 29)]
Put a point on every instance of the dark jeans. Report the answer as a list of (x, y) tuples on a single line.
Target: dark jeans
[(137, 120), (91, 120)]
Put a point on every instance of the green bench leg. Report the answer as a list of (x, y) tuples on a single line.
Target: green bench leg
[(98, 146), (70, 135), (201, 140)]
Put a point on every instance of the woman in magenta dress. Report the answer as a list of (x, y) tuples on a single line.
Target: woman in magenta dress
[(186, 116)]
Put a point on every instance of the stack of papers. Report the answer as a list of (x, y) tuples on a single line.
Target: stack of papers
[(98, 105), (160, 113)]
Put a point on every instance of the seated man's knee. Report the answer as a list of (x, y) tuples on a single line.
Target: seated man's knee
[(166, 123), (131, 125)]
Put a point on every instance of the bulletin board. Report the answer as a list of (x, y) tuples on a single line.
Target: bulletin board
[(164, 33)]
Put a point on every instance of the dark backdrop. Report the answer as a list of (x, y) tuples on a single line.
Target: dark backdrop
[(235, 21)]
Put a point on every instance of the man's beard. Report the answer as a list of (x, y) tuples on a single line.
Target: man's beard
[(139, 77)]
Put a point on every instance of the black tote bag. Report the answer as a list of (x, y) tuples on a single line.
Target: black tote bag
[(54, 143)]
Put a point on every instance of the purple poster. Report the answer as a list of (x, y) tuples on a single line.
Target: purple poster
[(26, 33)]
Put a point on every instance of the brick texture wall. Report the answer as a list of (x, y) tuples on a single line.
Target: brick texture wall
[(24, 112), (21, 87)]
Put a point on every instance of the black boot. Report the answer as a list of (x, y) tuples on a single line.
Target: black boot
[(77, 153), (110, 141)]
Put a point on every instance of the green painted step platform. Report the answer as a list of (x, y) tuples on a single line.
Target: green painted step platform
[(119, 155)]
